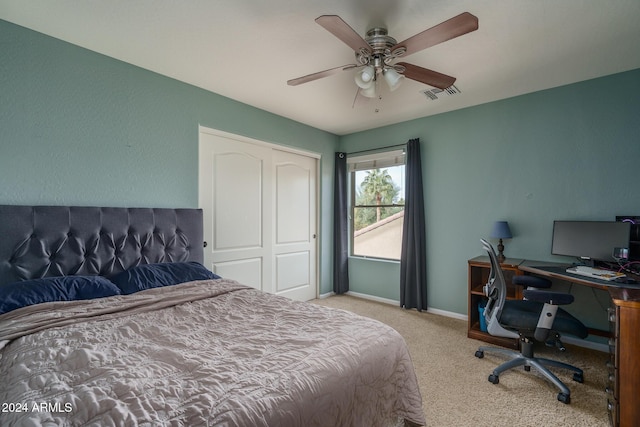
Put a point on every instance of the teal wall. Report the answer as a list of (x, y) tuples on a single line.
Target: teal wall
[(379, 278), (571, 152), (79, 128)]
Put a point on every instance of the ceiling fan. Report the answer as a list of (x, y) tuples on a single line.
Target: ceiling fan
[(376, 54)]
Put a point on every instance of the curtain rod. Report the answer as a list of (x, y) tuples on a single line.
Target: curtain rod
[(379, 148)]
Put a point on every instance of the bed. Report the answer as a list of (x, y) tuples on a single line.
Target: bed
[(110, 319)]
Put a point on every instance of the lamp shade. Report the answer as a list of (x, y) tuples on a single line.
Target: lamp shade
[(369, 92), (364, 78), (501, 230), (393, 78)]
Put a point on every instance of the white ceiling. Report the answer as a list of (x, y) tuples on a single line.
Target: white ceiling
[(247, 49)]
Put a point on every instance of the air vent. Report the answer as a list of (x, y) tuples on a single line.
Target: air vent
[(435, 93)]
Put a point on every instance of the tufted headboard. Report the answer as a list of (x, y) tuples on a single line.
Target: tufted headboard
[(42, 241)]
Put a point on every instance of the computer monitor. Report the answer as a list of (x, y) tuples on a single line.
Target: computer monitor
[(589, 240)]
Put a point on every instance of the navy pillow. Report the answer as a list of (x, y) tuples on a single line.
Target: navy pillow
[(49, 289), (149, 276)]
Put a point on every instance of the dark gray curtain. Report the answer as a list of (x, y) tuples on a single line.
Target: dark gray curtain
[(340, 227), (413, 270)]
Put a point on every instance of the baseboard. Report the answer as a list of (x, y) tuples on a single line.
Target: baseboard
[(327, 295), (374, 298), (448, 314), (397, 304)]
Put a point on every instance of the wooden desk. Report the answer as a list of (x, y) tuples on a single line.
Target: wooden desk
[(558, 271), (623, 390)]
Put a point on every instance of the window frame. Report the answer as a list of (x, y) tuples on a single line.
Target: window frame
[(380, 160)]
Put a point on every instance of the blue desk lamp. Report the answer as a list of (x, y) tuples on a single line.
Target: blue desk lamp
[(501, 231)]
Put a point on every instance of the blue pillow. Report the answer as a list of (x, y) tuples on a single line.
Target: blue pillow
[(149, 276), (49, 289)]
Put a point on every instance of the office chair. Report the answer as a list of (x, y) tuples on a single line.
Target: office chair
[(537, 317)]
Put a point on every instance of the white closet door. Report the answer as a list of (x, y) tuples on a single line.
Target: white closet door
[(294, 225), (259, 207), (235, 193)]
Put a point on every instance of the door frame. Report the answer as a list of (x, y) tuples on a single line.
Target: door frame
[(311, 154)]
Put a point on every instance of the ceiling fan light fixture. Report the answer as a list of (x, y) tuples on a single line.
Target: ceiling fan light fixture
[(367, 73), (369, 92), (393, 78), (362, 84), (365, 77)]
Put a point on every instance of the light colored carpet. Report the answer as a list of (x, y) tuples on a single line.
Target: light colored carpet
[(453, 382)]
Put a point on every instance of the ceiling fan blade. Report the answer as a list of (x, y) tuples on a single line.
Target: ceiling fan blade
[(447, 30), (336, 26), (319, 75), (423, 75)]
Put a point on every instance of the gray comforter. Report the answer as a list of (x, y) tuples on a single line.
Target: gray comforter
[(202, 354)]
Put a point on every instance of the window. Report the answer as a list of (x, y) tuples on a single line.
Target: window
[(377, 201)]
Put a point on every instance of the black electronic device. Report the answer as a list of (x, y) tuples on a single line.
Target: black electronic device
[(621, 254), (590, 241), (634, 237)]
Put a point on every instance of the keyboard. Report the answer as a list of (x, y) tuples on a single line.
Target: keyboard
[(595, 273)]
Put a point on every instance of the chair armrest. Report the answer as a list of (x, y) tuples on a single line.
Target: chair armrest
[(531, 282), (551, 302), (548, 297)]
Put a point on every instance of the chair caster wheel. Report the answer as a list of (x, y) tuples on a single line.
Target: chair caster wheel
[(564, 398), (579, 378), (493, 379), (479, 354)]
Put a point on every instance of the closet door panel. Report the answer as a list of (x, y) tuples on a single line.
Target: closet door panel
[(259, 207)]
